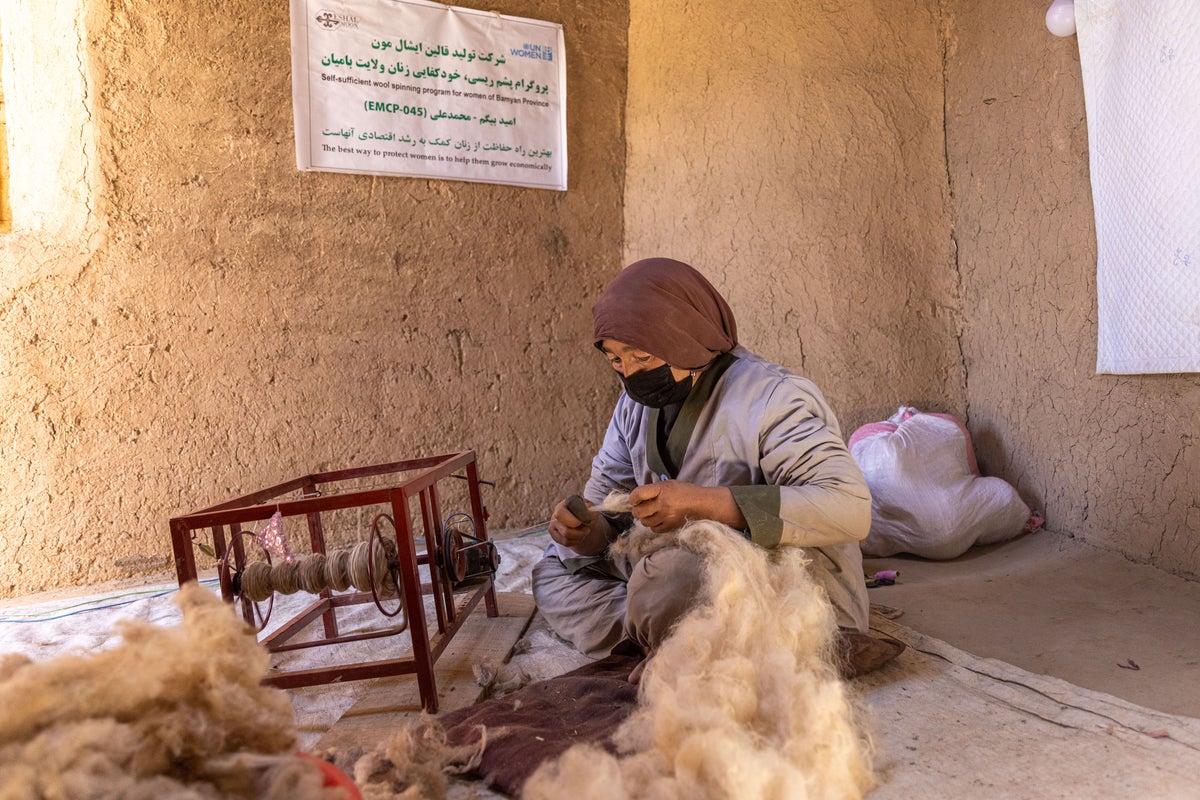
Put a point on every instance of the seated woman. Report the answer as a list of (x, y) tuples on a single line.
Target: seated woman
[(704, 430)]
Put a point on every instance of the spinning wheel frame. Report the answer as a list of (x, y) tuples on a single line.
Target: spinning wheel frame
[(301, 498)]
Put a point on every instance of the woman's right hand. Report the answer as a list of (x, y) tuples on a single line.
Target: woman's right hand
[(588, 537)]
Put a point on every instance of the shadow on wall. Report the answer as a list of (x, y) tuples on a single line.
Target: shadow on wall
[(989, 447)]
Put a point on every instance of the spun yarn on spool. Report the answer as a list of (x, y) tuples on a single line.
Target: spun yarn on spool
[(317, 572)]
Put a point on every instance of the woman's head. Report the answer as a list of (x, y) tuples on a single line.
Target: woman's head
[(647, 378), (666, 309)]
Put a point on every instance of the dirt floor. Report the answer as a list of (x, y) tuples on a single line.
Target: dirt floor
[(1049, 604), (949, 718), (1057, 606)]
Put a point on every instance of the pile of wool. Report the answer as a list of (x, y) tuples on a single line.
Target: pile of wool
[(742, 700), (413, 764), (168, 712)]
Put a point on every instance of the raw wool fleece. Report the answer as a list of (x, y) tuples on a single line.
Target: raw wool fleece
[(742, 700), (412, 764), (168, 713)]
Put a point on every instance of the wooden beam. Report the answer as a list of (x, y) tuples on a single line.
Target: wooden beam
[(392, 702)]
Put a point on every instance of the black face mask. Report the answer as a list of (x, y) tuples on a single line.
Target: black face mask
[(656, 387)]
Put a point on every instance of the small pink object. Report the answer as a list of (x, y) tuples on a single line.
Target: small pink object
[(271, 538), (887, 575)]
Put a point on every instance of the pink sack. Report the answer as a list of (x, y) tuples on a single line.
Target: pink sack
[(927, 496)]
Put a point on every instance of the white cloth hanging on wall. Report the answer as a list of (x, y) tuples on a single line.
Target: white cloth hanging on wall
[(1140, 61)]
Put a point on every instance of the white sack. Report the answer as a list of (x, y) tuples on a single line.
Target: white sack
[(927, 496)]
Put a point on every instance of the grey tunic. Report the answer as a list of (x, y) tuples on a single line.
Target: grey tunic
[(769, 436)]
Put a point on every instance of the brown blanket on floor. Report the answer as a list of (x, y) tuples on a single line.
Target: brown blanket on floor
[(542, 720)]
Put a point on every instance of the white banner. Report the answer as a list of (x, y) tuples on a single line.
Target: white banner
[(424, 90)]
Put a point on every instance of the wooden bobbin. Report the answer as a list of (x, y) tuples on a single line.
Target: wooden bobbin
[(256, 581), (312, 573), (337, 570), (285, 578), (317, 572)]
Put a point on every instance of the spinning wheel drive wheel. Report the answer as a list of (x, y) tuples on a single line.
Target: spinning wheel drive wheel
[(382, 567), (454, 555), (233, 579), (464, 556)]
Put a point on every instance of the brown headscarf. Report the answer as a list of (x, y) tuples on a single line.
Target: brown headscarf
[(667, 309)]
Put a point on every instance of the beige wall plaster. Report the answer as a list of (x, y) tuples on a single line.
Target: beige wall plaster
[(803, 158), (245, 323), (1112, 459), (794, 153)]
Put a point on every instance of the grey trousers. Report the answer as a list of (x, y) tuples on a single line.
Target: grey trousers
[(616, 601)]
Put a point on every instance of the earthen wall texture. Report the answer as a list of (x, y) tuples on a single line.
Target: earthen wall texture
[(794, 153), (1111, 459), (895, 197), (218, 322)]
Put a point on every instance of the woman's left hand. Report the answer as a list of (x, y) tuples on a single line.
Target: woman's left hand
[(668, 505)]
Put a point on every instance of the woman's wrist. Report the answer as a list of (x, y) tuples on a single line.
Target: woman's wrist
[(723, 508)]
